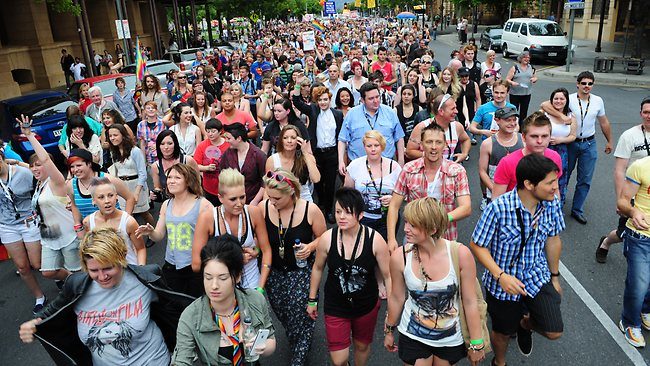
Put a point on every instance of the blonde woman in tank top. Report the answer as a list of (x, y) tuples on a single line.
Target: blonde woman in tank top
[(104, 197), (428, 319)]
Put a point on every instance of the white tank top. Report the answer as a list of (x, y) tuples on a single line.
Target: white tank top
[(57, 229), (558, 129), (131, 257), (305, 189), (430, 314), (251, 275)]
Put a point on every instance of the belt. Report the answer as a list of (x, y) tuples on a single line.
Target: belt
[(636, 234), (325, 149), (584, 139), (128, 177)]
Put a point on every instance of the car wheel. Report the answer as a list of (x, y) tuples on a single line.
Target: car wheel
[(504, 50)]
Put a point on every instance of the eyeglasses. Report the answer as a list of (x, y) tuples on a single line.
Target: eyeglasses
[(586, 83), (279, 178), (181, 77), (444, 100)]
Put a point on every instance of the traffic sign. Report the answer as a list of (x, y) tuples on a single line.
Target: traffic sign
[(574, 4), (329, 8)]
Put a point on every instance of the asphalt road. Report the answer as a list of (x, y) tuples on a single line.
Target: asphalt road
[(592, 300)]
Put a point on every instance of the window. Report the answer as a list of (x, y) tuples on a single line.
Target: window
[(515, 27), (524, 29), (545, 29), (595, 8), (508, 27)]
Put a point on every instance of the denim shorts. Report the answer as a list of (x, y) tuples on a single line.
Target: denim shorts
[(66, 257)]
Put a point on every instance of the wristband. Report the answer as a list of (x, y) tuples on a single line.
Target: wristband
[(266, 265), (312, 303), (476, 342), (260, 290), (313, 299), (555, 274), (451, 218), (499, 276)]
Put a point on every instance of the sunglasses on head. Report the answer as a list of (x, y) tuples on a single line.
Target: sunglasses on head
[(444, 100), (279, 178), (586, 83)]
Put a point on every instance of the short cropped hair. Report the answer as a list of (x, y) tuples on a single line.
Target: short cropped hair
[(427, 214), (534, 168)]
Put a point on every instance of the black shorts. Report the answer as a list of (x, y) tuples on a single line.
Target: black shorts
[(544, 310), (410, 350)]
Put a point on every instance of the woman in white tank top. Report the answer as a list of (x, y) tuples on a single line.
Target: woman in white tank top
[(105, 198), (244, 222), (428, 320), (562, 134)]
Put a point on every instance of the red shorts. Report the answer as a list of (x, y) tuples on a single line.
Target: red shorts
[(338, 329)]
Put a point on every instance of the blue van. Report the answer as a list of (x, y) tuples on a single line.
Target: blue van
[(47, 111)]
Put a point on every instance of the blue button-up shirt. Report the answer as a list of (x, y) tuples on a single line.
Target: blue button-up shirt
[(126, 104), (358, 121), (498, 230)]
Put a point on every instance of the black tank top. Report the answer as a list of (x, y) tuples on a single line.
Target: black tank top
[(408, 123), (470, 98), (162, 177), (302, 231), (351, 286)]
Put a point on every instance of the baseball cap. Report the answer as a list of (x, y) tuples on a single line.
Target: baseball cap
[(506, 112), (329, 57), (463, 71)]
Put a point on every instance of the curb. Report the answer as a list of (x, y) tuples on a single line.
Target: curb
[(615, 79)]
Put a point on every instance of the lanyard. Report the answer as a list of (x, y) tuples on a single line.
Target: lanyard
[(372, 127), (240, 225), (282, 231), (9, 194), (582, 116), (645, 141), (37, 194), (349, 263), (522, 231), (372, 180)]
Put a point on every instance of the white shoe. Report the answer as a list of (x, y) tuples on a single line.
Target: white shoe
[(633, 335)]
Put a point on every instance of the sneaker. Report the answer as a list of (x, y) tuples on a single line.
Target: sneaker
[(645, 321), (484, 203), (38, 307), (633, 335), (525, 341), (601, 254)]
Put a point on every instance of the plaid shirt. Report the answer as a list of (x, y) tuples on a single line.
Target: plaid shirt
[(498, 230), (412, 184), (149, 135)]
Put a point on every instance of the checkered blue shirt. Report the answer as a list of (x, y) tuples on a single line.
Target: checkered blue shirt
[(498, 230)]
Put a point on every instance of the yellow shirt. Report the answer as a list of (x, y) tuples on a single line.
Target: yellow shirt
[(639, 173)]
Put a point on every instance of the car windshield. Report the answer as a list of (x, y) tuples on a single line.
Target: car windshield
[(188, 56), (545, 29), (108, 86), (43, 107), (157, 69)]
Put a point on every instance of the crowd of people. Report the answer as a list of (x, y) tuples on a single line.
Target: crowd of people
[(275, 161)]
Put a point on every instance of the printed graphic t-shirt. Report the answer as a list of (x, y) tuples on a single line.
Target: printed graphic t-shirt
[(116, 327)]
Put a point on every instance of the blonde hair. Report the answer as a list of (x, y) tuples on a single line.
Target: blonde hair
[(427, 214), (375, 135), (105, 246), (284, 186), (229, 178)]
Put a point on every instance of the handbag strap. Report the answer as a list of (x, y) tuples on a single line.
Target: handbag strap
[(453, 250)]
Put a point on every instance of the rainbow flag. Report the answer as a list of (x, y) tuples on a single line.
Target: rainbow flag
[(140, 62), (318, 25)]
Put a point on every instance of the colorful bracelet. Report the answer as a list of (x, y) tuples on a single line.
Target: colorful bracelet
[(451, 218), (312, 303), (476, 342), (261, 290)]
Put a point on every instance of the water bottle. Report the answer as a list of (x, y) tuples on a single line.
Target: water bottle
[(249, 339), (301, 263)]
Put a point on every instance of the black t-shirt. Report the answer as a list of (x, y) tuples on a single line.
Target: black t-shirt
[(272, 133), (351, 287)]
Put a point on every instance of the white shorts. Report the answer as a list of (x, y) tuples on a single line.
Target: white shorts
[(20, 232), (66, 257)]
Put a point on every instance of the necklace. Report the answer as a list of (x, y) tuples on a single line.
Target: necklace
[(423, 273), (282, 231), (86, 187)]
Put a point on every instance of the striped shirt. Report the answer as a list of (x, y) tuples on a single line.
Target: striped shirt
[(499, 231)]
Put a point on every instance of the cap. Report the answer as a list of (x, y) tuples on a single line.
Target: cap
[(329, 57), (506, 112), (84, 155), (463, 71), (297, 68)]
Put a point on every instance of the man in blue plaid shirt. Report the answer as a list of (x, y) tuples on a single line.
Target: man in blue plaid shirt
[(517, 241)]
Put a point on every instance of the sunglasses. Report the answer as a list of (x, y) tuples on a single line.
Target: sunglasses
[(586, 83), (181, 77), (487, 75), (279, 178), (444, 100), (426, 62)]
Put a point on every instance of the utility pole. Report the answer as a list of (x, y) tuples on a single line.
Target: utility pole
[(572, 22), (120, 17), (600, 25), (88, 61), (541, 4)]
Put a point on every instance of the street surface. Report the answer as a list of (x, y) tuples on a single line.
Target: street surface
[(593, 293)]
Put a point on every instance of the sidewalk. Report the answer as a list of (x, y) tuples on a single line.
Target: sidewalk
[(584, 56)]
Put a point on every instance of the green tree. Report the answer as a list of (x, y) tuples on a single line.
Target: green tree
[(63, 6)]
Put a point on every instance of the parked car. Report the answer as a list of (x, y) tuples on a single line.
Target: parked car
[(105, 82), (491, 39), (160, 68), (183, 58), (544, 39), (47, 111)]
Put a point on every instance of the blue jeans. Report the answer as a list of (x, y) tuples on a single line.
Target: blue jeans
[(583, 153), (563, 182), (636, 297)]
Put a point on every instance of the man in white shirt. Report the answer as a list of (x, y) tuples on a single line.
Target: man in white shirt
[(587, 108), (78, 69)]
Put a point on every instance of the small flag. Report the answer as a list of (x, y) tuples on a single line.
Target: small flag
[(140, 62), (371, 4), (318, 25)]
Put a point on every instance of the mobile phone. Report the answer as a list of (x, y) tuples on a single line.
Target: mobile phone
[(262, 335)]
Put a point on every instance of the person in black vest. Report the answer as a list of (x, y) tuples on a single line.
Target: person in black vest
[(469, 99), (351, 301), (324, 127), (469, 61)]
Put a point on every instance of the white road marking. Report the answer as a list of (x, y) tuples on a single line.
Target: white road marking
[(607, 323)]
